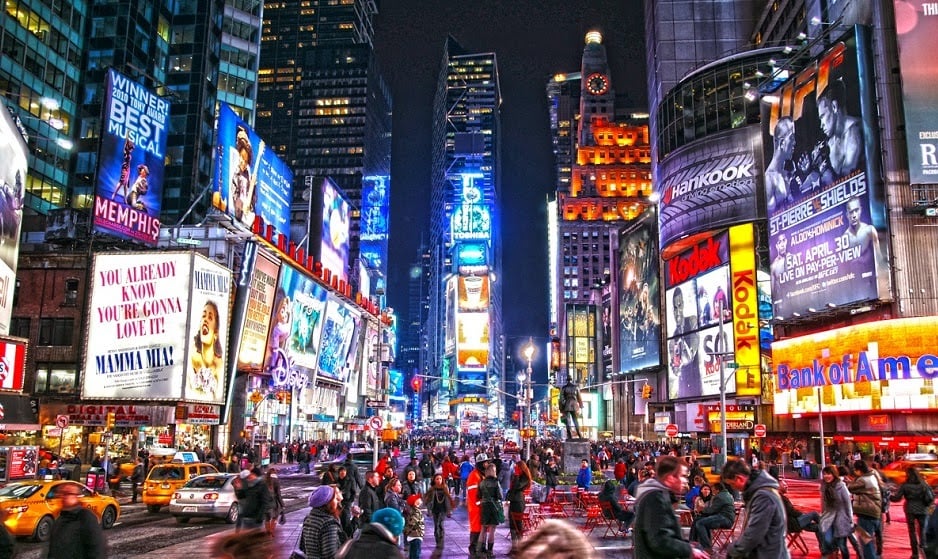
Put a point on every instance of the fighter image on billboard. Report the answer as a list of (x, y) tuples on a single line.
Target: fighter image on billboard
[(684, 345), (823, 189), (639, 309)]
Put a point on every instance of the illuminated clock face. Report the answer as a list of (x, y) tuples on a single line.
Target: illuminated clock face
[(597, 84)]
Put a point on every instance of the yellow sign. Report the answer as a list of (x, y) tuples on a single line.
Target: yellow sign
[(745, 309), (256, 397)]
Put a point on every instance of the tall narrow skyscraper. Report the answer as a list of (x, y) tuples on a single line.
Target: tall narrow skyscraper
[(464, 325)]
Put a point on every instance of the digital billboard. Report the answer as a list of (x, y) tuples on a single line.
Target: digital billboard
[(710, 184), (915, 33), (339, 340), (373, 236), (334, 241), (249, 179), (471, 218), (371, 379), (472, 341), (13, 168), (259, 278), (449, 340), (473, 293), (12, 363), (296, 325), (824, 195), (157, 328), (131, 158), (639, 298), (883, 365)]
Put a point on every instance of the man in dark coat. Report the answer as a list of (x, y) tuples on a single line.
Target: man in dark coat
[(657, 532), (379, 537), (368, 499), (254, 498), (76, 533)]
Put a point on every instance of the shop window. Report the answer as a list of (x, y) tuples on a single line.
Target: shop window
[(56, 379)]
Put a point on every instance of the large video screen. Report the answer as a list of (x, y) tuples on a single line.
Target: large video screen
[(249, 179), (334, 244), (340, 331), (827, 228), (639, 298), (13, 163), (710, 184), (129, 190), (915, 33), (884, 365), (373, 237), (296, 325)]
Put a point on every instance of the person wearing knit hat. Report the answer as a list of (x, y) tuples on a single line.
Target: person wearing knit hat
[(378, 538), (414, 526), (322, 532)]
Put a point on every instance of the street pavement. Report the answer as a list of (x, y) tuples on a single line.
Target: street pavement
[(803, 493)]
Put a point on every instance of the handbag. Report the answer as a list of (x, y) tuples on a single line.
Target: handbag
[(298, 551)]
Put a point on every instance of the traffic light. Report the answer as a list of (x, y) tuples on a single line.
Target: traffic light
[(415, 383), (109, 421), (646, 391)]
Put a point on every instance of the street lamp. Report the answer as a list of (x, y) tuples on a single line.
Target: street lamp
[(528, 354)]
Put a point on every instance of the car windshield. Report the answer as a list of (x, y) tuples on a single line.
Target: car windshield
[(206, 482), (167, 473), (18, 491)]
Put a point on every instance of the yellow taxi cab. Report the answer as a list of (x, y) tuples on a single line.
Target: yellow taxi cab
[(926, 464), (165, 479), (33, 505)]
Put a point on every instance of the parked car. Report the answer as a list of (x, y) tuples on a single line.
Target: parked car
[(165, 479), (32, 506), (206, 496)]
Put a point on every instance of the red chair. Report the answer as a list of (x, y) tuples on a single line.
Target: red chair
[(612, 523)]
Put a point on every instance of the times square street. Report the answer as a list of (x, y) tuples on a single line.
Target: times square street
[(143, 535)]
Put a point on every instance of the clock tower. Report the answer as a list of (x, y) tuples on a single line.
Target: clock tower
[(596, 97)]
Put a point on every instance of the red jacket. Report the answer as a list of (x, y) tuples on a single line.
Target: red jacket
[(475, 510), (450, 470), (619, 471)]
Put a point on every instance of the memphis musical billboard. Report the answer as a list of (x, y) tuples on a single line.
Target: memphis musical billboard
[(823, 186)]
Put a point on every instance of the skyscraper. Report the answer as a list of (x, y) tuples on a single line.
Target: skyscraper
[(323, 104), (464, 325)]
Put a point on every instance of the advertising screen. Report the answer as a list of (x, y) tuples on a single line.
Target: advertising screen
[(884, 365), (639, 299), (129, 190), (13, 152), (12, 363), (369, 362), (827, 228), (339, 330), (471, 218), (473, 293), (373, 238), (138, 326), (472, 341), (710, 184), (449, 341), (249, 179), (915, 33), (260, 280), (296, 325), (208, 331), (334, 244)]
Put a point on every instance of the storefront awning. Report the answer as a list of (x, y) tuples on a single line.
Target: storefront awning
[(17, 413)]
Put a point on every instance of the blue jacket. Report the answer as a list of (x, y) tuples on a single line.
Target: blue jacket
[(584, 477)]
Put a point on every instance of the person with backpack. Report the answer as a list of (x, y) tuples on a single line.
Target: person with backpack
[(918, 497)]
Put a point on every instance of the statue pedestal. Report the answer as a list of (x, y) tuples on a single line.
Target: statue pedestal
[(574, 452)]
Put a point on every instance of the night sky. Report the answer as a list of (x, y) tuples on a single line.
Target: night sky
[(533, 40)]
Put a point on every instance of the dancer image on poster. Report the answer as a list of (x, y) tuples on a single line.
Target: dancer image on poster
[(844, 133), (139, 188), (779, 170), (684, 346), (242, 183), (280, 331), (207, 357), (123, 182)]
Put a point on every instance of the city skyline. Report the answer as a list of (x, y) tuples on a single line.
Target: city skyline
[(409, 43)]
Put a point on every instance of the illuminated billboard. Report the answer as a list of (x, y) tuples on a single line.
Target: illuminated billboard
[(449, 333), (827, 228), (581, 342), (296, 325), (471, 218), (259, 276), (744, 304), (13, 168), (129, 189), (158, 328), (472, 341), (334, 240), (340, 331), (884, 365), (710, 184), (473, 293), (639, 298), (915, 33), (12, 363), (373, 236), (371, 380), (249, 179)]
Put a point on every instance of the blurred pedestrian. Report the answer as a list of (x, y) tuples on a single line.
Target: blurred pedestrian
[(7, 541), (277, 509), (519, 484), (76, 533), (918, 497), (250, 544), (763, 535), (556, 539), (254, 499), (657, 533), (378, 538)]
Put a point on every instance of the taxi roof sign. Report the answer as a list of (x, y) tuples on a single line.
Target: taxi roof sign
[(186, 457)]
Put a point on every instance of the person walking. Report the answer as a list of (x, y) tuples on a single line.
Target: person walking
[(465, 468), (519, 484), (393, 497), (489, 498), (322, 533), (411, 486), (368, 499), (440, 505), (254, 499), (918, 497), (867, 505), (836, 513), (763, 535), (472, 502), (277, 507), (136, 478), (378, 538), (551, 473), (414, 526), (657, 532), (76, 533)]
